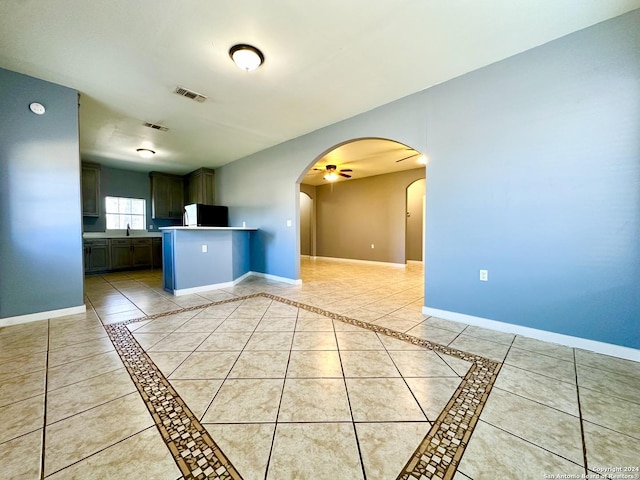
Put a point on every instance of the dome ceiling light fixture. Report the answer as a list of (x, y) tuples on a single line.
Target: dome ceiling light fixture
[(145, 152), (246, 57)]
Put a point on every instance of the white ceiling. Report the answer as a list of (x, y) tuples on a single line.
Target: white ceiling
[(325, 61)]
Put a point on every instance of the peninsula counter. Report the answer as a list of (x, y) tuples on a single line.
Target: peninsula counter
[(197, 259)]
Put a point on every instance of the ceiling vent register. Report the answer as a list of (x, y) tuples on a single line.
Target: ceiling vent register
[(198, 97), (155, 126)]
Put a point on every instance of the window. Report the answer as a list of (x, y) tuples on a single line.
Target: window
[(122, 211)]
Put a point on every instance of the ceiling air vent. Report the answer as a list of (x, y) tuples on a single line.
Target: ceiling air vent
[(155, 126), (190, 94)]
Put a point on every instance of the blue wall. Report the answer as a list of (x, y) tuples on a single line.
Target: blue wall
[(534, 174), (40, 212)]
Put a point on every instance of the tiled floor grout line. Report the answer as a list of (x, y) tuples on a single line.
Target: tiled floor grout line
[(127, 297), (440, 451), (46, 388), (275, 427), (538, 373), (538, 402), (531, 442), (102, 449), (582, 437), (232, 365), (407, 384), (346, 389), (187, 357), (92, 407)]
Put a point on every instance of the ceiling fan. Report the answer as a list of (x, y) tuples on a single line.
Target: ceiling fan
[(331, 172)]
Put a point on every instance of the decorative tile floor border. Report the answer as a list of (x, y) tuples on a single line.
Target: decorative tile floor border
[(193, 449), (199, 457)]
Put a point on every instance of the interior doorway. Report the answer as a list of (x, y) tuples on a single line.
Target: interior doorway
[(306, 224), (414, 236), (353, 203)]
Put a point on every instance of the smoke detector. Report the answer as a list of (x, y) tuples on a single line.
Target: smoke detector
[(198, 97)]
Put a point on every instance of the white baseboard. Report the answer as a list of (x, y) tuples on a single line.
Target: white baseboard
[(34, 317), (544, 335), (268, 276), (353, 260), (206, 288)]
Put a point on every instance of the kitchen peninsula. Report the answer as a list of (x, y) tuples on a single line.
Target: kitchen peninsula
[(197, 259)]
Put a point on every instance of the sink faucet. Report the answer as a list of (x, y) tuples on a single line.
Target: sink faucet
[(128, 230)]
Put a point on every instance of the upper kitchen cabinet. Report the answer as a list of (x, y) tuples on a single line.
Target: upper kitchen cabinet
[(201, 186), (90, 190), (167, 196)]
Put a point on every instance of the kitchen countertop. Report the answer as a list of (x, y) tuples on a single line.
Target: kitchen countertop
[(122, 234), (208, 228)]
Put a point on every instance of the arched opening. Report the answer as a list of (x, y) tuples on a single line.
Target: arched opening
[(359, 192), (414, 238), (307, 225)]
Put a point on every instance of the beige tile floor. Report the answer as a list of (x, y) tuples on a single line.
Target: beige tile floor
[(291, 394)]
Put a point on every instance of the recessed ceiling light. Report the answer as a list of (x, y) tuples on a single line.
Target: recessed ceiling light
[(145, 152), (246, 57)]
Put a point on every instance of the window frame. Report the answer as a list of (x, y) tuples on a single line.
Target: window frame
[(122, 212)]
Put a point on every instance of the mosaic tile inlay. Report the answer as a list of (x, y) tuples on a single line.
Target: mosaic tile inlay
[(198, 456), (195, 452)]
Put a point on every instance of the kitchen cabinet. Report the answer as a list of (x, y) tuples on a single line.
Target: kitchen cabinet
[(130, 252), (156, 253), (120, 253), (141, 252), (201, 186), (167, 196), (96, 255), (90, 190)]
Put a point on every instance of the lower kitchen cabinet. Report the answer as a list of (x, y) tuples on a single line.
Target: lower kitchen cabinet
[(109, 254), (120, 253), (96, 255), (130, 252), (141, 252), (156, 253)]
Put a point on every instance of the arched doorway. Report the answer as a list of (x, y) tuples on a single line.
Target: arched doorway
[(414, 237), (307, 237), (360, 214)]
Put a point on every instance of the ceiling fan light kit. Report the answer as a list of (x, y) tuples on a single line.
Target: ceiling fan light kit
[(246, 57), (332, 175)]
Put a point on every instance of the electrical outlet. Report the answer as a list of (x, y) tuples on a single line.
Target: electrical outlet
[(204, 249), (484, 275), (289, 223)]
